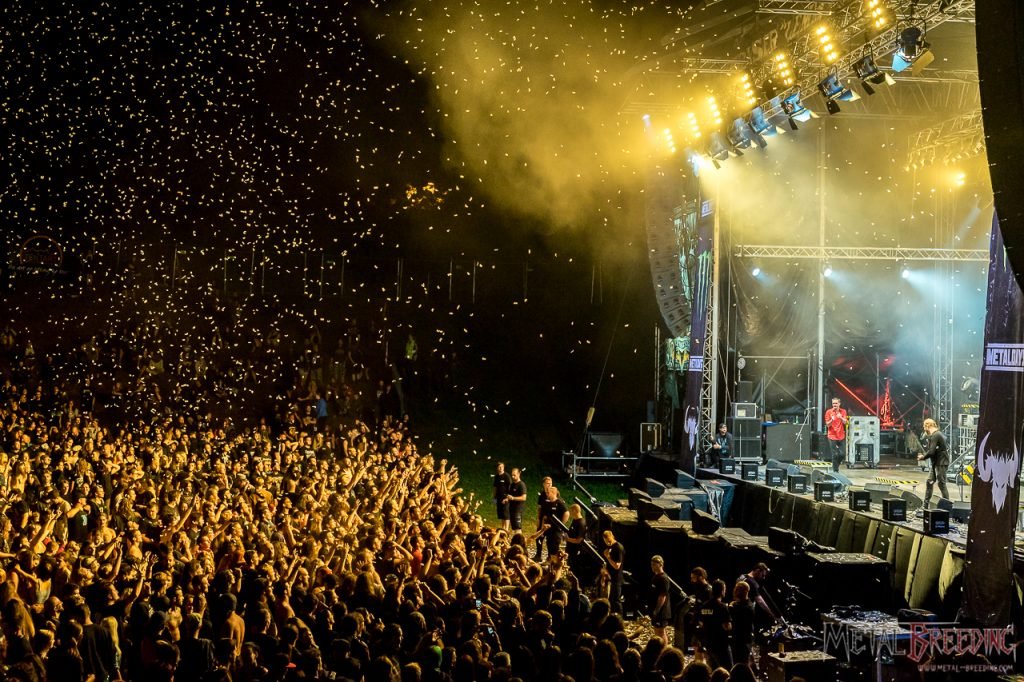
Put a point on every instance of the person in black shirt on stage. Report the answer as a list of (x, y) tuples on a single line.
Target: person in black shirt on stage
[(721, 446), (700, 592), (937, 452), (502, 481), (715, 625), (659, 603), (755, 579), (516, 499)]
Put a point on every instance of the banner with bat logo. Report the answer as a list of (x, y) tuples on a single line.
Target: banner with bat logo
[(988, 577)]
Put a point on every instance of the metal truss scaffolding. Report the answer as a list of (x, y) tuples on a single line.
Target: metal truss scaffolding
[(958, 138), (860, 253)]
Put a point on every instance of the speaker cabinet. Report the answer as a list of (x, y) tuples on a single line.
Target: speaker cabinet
[(742, 427), (825, 491), (748, 471), (745, 391), (776, 478), (727, 466), (860, 500), (788, 442), (797, 484), (894, 509), (747, 448), (936, 521), (744, 410)]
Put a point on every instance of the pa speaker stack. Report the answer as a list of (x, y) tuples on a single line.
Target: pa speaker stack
[(788, 442), (745, 427)]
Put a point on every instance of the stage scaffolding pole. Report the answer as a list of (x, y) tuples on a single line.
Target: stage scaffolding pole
[(820, 374)]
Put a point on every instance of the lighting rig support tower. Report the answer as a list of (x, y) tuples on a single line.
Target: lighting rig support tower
[(709, 372)]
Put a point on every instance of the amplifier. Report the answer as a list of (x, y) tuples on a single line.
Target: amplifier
[(860, 500), (744, 410), (825, 491), (775, 477), (936, 521), (727, 466), (748, 471), (894, 509), (797, 483)]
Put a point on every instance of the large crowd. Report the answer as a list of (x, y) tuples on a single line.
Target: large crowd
[(149, 535)]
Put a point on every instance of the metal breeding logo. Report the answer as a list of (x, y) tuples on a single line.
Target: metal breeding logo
[(1004, 357), (927, 644)]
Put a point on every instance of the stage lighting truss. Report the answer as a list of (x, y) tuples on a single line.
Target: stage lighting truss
[(869, 74), (826, 44), (833, 90), (912, 51)]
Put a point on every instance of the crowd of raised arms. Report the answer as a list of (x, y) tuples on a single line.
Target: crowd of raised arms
[(145, 539)]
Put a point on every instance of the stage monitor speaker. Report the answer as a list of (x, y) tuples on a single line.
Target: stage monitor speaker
[(727, 466), (878, 491), (744, 391), (788, 442), (841, 482), (958, 511), (650, 436), (604, 444), (704, 523), (913, 500), (775, 477), (747, 448), (744, 428)]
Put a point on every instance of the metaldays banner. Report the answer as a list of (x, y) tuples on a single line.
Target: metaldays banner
[(701, 278), (988, 574)]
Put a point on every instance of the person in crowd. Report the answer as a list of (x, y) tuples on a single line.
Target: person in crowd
[(700, 593), (715, 626), (755, 579), (741, 611), (556, 517), (574, 540), (659, 603), (936, 452), (543, 504)]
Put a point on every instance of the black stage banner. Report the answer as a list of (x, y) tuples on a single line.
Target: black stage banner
[(988, 574), (698, 326)]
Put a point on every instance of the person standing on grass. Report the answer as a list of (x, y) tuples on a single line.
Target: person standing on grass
[(502, 481), (516, 500)]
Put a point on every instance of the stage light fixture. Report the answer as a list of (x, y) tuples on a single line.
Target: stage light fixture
[(670, 142), (834, 92), (827, 47), (782, 75), (869, 74), (905, 272), (715, 112), (746, 90), (739, 134), (718, 149), (878, 15), (693, 126), (760, 125), (912, 51), (827, 271), (794, 108), (756, 271)]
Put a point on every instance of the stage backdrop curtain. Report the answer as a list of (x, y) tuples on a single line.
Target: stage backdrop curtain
[(988, 577)]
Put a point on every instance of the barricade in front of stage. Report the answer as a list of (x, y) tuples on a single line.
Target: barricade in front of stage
[(876, 564)]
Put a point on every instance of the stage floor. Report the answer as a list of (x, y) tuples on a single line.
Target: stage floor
[(903, 474)]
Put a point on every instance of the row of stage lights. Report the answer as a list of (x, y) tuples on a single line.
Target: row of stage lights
[(827, 271), (745, 131)]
